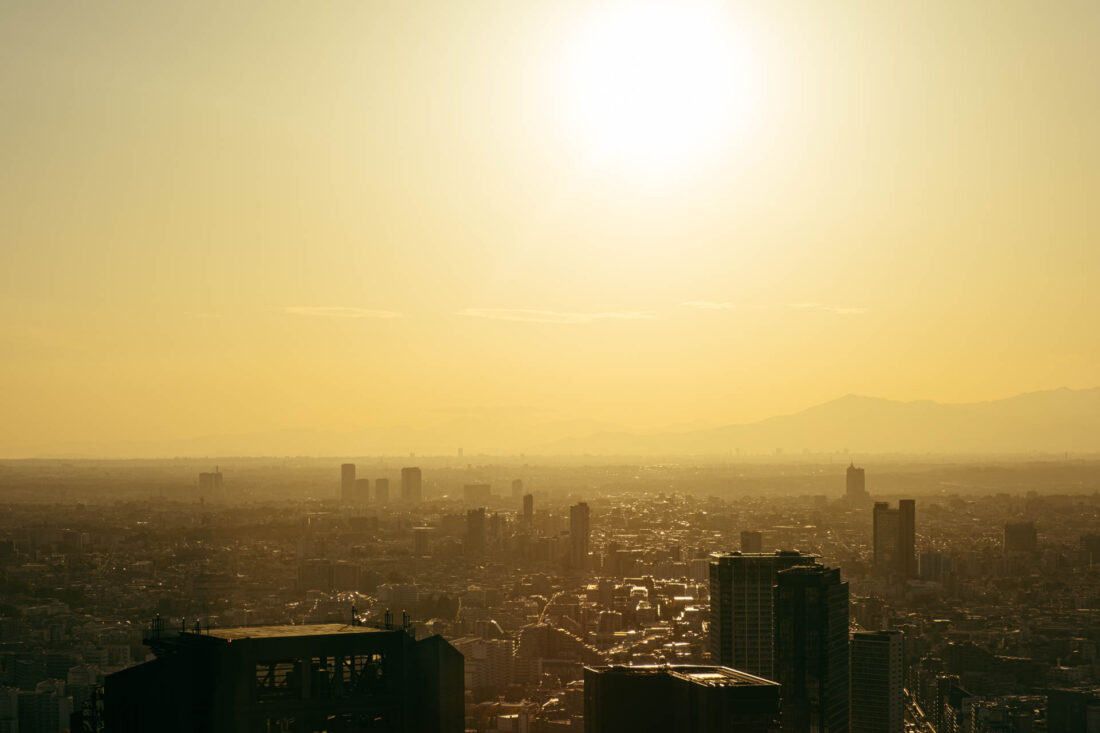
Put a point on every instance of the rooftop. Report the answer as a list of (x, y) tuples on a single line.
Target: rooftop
[(286, 630)]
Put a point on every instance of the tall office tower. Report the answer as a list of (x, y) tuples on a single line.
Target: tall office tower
[(878, 703), (381, 490), (579, 531), (210, 484), (410, 485), (752, 541), (678, 699), (347, 482), (1020, 537), (517, 488), (475, 531), (741, 633), (528, 510), (307, 677), (895, 538), (362, 491), (811, 649), (856, 485)]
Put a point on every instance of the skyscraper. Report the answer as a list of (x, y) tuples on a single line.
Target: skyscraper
[(517, 488), (410, 485), (578, 535), (878, 704), (856, 486), (811, 649), (741, 632), (475, 531), (347, 482), (752, 541), (528, 510), (894, 538), (362, 490), (382, 490), (1020, 537)]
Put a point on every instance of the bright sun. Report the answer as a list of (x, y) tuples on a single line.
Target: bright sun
[(654, 85)]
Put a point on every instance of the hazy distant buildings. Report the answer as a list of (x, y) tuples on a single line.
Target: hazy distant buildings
[(528, 511), (811, 649), (301, 678), (477, 493), (1020, 537), (856, 485), (347, 482), (752, 541), (877, 669), (475, 531), (382, 490), (210, 484), (411, 489), (517, 488), (741, 630), (678, 699), (894, 538), (361, 494), (579, 530)]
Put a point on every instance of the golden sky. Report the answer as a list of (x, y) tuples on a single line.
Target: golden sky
[(221, 218)]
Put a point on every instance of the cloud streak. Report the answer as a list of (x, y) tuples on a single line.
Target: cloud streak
[(526, 315), (338, 311), (838, 309), (709, 305)]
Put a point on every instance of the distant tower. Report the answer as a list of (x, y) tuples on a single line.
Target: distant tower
[(907, 538), (752, 541), (210, 484), (1020, 537), (878, 702), (381, 490), (856, 484), (741, 634), (475, 531), (410, 485), (579, 531), (362, 491), (528, 510), (347, 482), (811, 649), (517, 488), (894, 538)]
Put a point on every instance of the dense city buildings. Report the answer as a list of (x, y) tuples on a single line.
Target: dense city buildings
[(895, 539), (579, 532), (411, 487), (334, 677), (678, 699), (1020, 537), (741, 603), (811, 649), (347, 482), (878, 681)]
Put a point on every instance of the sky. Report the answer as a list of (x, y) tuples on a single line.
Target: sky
[(239, 218)]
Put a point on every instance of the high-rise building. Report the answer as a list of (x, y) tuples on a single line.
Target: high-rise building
[(477, 493), (410, 485), (811, 649), (856, 485), (678, 699), (878, 678), (741, 631), (305, 677), (752, 541), (347, 482), (894, 538), (1020, 537), (579, 530), (382, 490), (210, 483), (361, 495), (475, 531), (528, 510), (517, 488)]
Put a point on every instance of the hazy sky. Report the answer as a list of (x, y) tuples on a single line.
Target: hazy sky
[(233, 217)]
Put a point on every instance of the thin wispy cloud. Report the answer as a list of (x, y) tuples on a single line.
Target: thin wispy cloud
[(526, 315), (709, 305), (338, 311), (838, 309)]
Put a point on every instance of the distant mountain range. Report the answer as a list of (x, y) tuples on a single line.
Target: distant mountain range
[(1049, 421)]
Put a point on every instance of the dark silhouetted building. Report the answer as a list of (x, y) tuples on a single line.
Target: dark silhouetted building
[(324, 677), (877, 667), (752, 541), (894, 540), (528, 510), (1070, 711), (210, 484), (362, 491), (579, 531), (411, 489), (347, 482), (1020, 537), (475, 531), (382, 490), (811, 649), (678, 699), (741, 631), (856, 484)]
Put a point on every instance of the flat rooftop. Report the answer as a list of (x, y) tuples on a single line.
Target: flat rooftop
[(283, 631), (711, 676)]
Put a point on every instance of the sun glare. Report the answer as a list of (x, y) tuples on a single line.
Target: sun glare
[(654, 85)]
